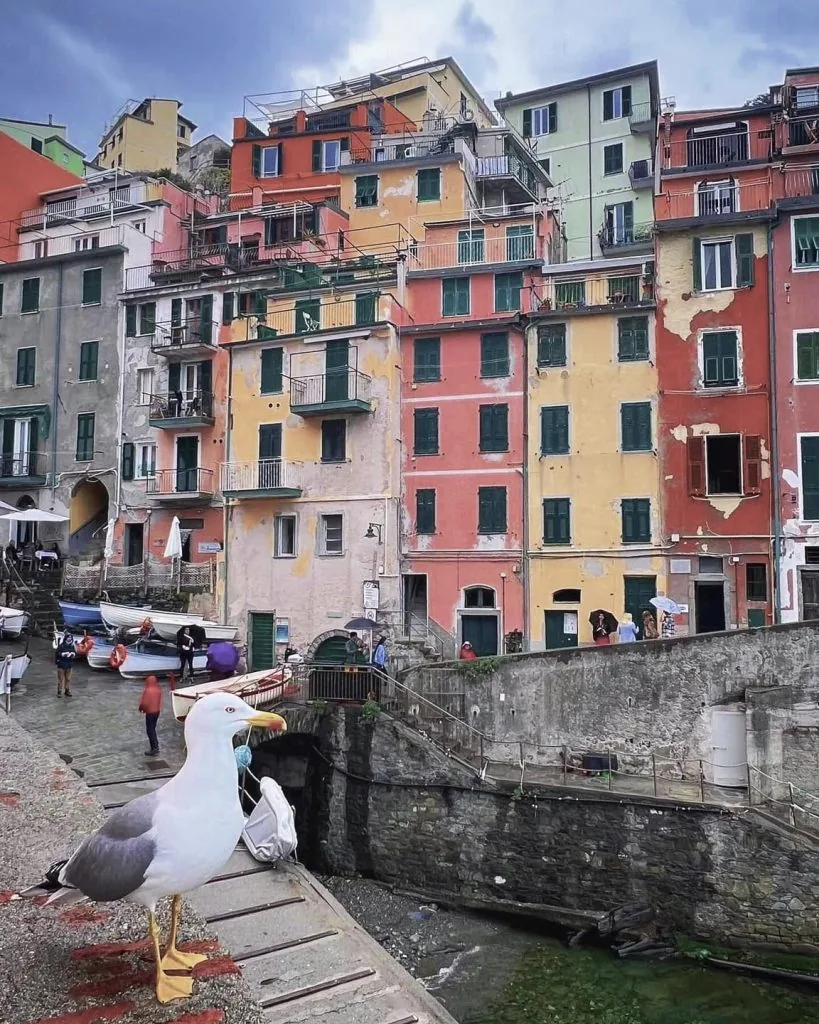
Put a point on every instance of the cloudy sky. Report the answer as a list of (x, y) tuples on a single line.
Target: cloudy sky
[(81, 60)]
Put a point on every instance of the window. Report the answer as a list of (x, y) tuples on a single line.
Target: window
[(366, 306), (425, 510), (37, 145), (272, 360), (333, 440), (570, 294), (557, 521), (619, 224), (807, 355), (520, 243), (425, 423), (726, 263), (146, 461), (805, 242), (719, 359), (479, 597), (181, 131), (567, 594), (710, 565), (554, 430), (551, 345), (546, 164), (92, 287), (717, 464), (809, 460), (494, 428), (145, 385), (632, 339), (613, 158), (252, 303), (366, 190), (723, 463), (636, 520), (455, 296), (330, 155), (507, 292), (26, 364), (540, 120), (491, 510), (624, 289), (331, 536), (308, 316), (141, 226), (86, 242), (807, 96), (495, 354), (41, 249), (85, 437), (635, 426), (30, 301), (89, 360), (429, 184), (140, 319), (284, 536), (616, 103), (756, 581), (471, 246), (1, 298), (270, 162), (716, 197), (426, 359)]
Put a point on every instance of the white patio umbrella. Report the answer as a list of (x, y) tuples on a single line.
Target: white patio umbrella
[(33, 515), (109, 539), (173, 549)]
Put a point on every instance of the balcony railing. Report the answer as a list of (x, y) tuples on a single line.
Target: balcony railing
[(60, 245), (343, 390), (634, 236), (507, 167), (578, 295), (803, 131), (525, 248), (188, 338), (261, 477), (185, 408), (801, 181), (408, 148), (313, 315), (641, 174), (717, 150), (17, 467), (92, 206), (177, 265), (715, 199), (180, 483), (640, 114), (327, 121)]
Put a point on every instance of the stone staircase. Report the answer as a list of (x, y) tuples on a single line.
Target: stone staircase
[(38, 593)]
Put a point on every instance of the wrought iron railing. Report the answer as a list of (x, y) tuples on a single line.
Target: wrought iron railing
[(310, 316), (475, 249), (259, 475), (615, 237), (180, 481), (560, 295), (640, 113), (803, 131), (182, 405), (507, 166), (333, 387), (191, 333), (17, 465)]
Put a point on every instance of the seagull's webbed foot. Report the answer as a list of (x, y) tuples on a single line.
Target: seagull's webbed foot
[(168, 986), (173, 958)]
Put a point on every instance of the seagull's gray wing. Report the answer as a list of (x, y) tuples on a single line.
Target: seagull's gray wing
[(112, 863)]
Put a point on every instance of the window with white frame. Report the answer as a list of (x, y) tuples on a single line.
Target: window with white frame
[(141, 226), (145, 385), (718, 265), (284, 537), (86, 242), (145, 468), (331, 535), (716, 197), (41, 249), (270, 162), (330, 155), (616, 103), (544, 119)]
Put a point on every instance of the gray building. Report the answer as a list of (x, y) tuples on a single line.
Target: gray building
[(207, 164), (59, 391)]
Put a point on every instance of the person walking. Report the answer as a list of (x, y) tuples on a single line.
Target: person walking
[(626, 631), (380, 654), (600, 631), (150, 704), (64, 658), (668, 627), (353, 648), (186, 646), (649, 626)]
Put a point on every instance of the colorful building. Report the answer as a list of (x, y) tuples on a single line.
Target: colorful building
[(145, 136), (47, 139)]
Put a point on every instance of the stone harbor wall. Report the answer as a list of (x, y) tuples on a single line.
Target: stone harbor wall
[(783, 742)]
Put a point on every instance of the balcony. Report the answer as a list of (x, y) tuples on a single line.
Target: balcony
[(23, 469), (406, 147), (476, 252), (713, 200), (641, 174), (261, 478), (344, 391), (641, 119), (595, 294), (180, 410), (181, 486), (627, 239), (192, 264), (61, 245), (801, 181), (186, 340), (312, 315), (504, 169), (90, 206), (802, 134), (715, 150)]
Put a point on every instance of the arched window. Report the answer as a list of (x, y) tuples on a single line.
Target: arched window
[(567, 596), (479, 597)]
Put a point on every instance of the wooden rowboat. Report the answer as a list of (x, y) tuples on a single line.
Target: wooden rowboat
[(256, 688)]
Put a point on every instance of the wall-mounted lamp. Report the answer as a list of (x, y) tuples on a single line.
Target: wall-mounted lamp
[(371, 531)]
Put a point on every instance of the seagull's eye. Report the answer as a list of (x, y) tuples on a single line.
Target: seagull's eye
[(230, 711)]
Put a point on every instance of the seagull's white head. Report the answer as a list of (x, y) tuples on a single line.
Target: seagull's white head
[(223, 714)]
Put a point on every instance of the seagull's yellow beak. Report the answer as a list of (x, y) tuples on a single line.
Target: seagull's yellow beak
[(267, 720)]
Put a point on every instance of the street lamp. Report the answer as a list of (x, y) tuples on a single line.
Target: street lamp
[(371, 531)]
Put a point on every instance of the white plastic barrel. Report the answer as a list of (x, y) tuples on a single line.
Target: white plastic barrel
[(729, 749)]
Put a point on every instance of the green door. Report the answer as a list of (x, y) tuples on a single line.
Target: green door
[(187, 463), (336, 368), (556, 635), (756, 618), (262, 641), (332, 650), (482, 632), (637, 598)]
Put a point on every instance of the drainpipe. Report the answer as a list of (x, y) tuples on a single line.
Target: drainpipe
[(591, 202), (776, 590), (225, 508), (524, 562), (121, 410), (55, 396)]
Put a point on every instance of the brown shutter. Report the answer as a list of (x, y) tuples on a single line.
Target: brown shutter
[(753, 464), (696, 466)]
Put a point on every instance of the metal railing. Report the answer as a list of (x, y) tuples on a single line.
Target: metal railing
[(192, 333), (476, 250), (332, 388), (558, 295), (308, 317), (613, 237), (641, 172), (640, 113), (714, 200), (328, 120), (801, 181), (165, 576), (383, 148), (505, 167), (803, 131), (180, 481), (59, 245), (716, 150), (182, 405), (791, 803), (259, 475), (23, 465), (89, 206), (177, 263)]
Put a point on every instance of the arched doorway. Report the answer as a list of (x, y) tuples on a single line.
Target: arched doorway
[(24, 533), (329, 647), (480, 621), (87, 518)]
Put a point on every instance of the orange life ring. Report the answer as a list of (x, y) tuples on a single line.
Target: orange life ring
[(118, 656), (85, 645)]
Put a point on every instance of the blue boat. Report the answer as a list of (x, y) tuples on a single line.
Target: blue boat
[(80, 614)]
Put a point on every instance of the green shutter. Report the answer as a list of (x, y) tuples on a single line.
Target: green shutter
[(272, 370), (366, 190), (807, 356), (719, 359), (507, 292), (147, 318), (744, 253), (206, 319), (256, 161), (92, 287), (174, 377), (425, 422), (176, 312), (260, 303), (227, 308), (365, 308), (527, 123), (554, 430), (26, 367), (696, 263), (635, 425), (85, 437), (626, 94), (89, 360), (632, 338), (520, 243), (128, 461), (1, 298), (455, 296), (307, 316), (471, 246), (551, 345), (608, 104), (494, 428), (810, 478), (425, 510), (495, 354), (636, 520), (30, 299), (130, 320), (317, 155), (426, 359), (557, 521), (491, 510), (429, 184), (552, 118)]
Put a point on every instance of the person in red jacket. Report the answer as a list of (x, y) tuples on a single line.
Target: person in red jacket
[(467, 652), (150, 704)]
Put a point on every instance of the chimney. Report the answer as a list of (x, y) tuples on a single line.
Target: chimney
[(51, 119)]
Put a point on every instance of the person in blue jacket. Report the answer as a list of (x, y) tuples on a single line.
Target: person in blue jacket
[(64, 658)]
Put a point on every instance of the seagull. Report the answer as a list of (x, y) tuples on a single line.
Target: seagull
[(170, 841)]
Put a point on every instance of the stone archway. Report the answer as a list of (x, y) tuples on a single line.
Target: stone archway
[(328, 647), (88, 516)]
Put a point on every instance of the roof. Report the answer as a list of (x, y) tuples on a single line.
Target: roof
[(64, 142), (39, 124), (648, 67)]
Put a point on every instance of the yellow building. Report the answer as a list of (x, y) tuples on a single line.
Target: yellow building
[(146, 136), (593, 479)]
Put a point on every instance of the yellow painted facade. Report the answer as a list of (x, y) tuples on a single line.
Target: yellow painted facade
[(596, 474), (149, 143)]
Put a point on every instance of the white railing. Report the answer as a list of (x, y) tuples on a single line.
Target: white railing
[(472, 251), (59, 245), (86, 206), (259, 475)]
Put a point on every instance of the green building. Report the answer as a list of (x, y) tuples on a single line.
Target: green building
[(49, 140), (595, 138)]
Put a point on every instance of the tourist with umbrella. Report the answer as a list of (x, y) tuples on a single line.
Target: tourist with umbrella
[(354, 647), (222, 660), (669, 609), (188, 638), (603, 624)]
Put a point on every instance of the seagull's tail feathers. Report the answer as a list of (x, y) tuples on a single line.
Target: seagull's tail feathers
[(53, 888)]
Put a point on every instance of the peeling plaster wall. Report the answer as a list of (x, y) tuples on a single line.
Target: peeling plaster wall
[(783, 727)]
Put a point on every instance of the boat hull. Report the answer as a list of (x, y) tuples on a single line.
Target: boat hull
[(12, 621), (80, 614), (19, 666), (139, 664), (167, 628), (99, 654), (255, 688), (123, 616)]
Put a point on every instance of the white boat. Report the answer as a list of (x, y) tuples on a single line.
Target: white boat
[(256, 688), (141, 663), (12, 621), (19, 666), (99, 654), (126, 616), (167, 627)]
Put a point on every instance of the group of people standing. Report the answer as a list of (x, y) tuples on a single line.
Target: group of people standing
[(628, 632), (355, 651)]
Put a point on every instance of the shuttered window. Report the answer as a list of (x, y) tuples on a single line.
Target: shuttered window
[(426, 359), (333, 440), (365, 308), (308, 316), (366, 190), (570, 294), (635, 424), (556, 521), (425, 422), (807, 355), (495, 354), (227, 307), (809, 455), (425, 510), (551, 345), (429, 184), (128, 461), (491, 510), (26, 367), (85, 437), (92, 287), (272, 367), (632, 338), (540, 120), (554, 430), (752, 468), (636, 520), (89, 360), (507, 292), (494, 428), (719, 359), (806, 241), (695, 451), (30, 298), (455, 296)]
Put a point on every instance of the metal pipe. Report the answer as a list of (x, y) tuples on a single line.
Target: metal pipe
[(55, 398), (589, 151), (776, 590), (524, 561), (226, 507)]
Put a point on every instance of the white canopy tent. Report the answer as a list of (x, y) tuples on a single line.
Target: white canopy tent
[(33, 515)]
